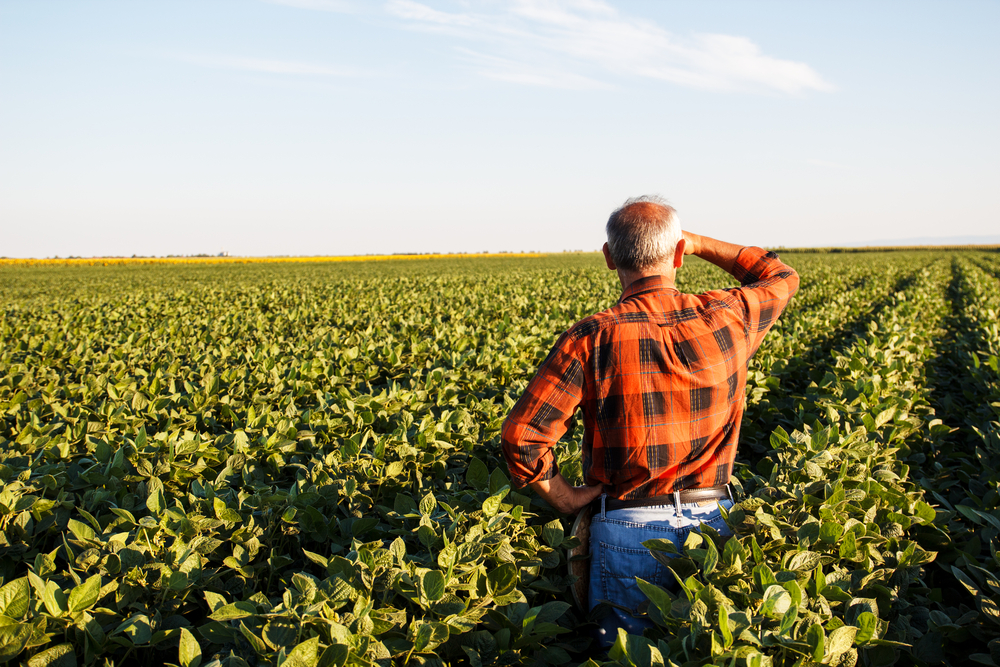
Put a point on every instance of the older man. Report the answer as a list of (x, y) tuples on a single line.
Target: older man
[(660, 377)]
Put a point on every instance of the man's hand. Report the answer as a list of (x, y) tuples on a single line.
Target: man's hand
[(691, 242), (720, 253), (563, 497)]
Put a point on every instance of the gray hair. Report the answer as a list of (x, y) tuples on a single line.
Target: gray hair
[(642, 233)]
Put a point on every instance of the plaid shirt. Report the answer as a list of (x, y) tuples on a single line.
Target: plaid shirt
[(660, 377)]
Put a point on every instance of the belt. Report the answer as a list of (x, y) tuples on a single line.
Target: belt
[(682, 496)]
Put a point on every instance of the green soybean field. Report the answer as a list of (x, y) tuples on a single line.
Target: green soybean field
[(298, 464)]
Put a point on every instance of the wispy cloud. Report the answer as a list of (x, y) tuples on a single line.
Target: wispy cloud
[(588, 43), (266, 66), (531, 74)]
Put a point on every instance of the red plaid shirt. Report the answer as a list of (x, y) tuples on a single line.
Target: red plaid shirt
[(660, 377)]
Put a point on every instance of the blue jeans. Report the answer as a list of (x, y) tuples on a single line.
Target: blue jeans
[(617, 556)]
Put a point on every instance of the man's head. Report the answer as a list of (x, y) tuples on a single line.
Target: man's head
[(643, 235)]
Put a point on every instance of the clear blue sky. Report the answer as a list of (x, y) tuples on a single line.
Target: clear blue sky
[(346, 127)]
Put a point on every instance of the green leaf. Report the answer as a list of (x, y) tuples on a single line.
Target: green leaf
[(924, 511), (552, 611), (305, 654), (867, 626), (836, 497), (711, 557), (55, 599), (80, 530), (666, 546), (788, 620), (849, 546), (225, 513), (803, 560), (13, 637), (214, 600), (234, 611), (658, 596), (618, 652), (433, 585), (779, 438), (724, 626), (279, 633), (503, 579), (758, 553), (830, 532), (404, 504), (794, 591), (60, 655), (990, 519), (492, 505), (447, 556), (188, 650), (763, 576), (137, 629), (14, 598), (423, 636), (398, 550), (498, 481), (477, 476), (841, 639), (817, 641), (776, 601), (885, 416), (965, 580), (86, 594), (427, 504), (316, 558), (552, 533), (472, 654), (427, 636), (156, 503), (361, 526), (256, 643)]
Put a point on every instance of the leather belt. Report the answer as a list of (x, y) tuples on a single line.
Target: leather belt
[(683, 496)]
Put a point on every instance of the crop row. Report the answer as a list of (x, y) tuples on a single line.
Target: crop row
[(278, 467), (301, 467), (963, 472)]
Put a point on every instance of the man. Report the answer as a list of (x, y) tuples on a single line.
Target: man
[(660, 377)]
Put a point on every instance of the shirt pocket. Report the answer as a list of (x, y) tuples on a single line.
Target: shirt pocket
[(619, 568)]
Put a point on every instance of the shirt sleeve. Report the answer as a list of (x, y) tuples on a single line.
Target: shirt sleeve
[(541, 416), (767, 285)]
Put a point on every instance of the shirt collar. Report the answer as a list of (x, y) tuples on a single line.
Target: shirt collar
[(645, 285)]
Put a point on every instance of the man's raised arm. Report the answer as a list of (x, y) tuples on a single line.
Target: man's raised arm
[(767, 284), (720, 253)]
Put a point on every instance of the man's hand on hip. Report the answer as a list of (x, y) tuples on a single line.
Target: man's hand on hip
[(563, 497)]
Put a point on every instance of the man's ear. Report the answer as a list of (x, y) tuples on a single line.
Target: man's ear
[(607, 258), (679, 253)]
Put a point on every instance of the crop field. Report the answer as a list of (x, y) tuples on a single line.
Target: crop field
[(298, 464)]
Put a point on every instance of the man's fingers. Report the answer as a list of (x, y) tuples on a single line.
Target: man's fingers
[(690, 246)]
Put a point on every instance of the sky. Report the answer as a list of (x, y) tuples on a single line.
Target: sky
[(339, 127)]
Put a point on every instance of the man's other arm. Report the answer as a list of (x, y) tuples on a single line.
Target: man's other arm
[(767, 284), (537, 421)]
